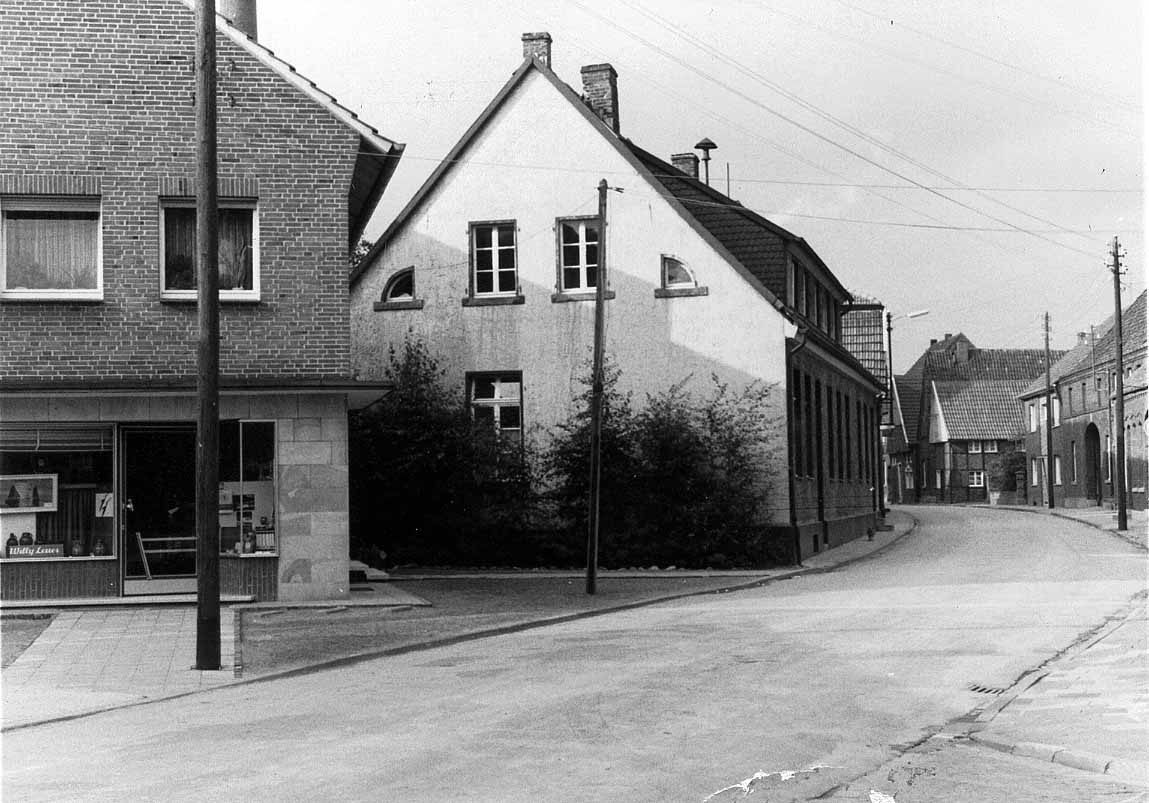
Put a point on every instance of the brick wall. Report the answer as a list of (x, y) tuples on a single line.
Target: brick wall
[(97, 98)]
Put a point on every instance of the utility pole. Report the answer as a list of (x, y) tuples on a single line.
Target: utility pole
[(596, 400), (1048, 420), (207, 652), (1119, 400)]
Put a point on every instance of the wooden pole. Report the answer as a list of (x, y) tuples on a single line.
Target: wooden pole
[(1119, 398), (596, 401), (1048, 420), (207, 352)]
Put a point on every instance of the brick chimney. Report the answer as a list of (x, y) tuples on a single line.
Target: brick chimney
[(600, 90), (538, 45), (242, 15), (687, 163)]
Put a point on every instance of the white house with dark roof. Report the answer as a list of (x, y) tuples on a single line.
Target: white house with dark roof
[(495, 268)]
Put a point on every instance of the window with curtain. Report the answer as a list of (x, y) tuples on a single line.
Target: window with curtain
[(51, 248), (238, 252)]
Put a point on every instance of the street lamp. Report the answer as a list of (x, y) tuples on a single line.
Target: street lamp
[(890, 318)]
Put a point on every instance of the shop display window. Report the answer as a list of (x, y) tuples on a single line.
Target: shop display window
[(56, 492), (247, 487)]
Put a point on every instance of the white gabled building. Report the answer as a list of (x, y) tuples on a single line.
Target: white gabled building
[(494, 267)]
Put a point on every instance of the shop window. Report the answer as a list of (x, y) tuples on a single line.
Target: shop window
[(56, 492), (238, 251), (51, 249), (494, 262), (247, 487)]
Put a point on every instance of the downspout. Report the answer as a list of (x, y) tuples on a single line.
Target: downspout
[(800, 336)]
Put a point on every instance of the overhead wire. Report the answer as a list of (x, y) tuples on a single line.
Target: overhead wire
[(827, 116)]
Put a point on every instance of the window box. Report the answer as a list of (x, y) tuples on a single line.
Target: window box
[(239, 279), (51, 249)]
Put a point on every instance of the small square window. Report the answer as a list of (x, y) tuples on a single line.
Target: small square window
[(238, 251), (975, 447), (50, 248), (494, 261), (989, 446), (977, 479)]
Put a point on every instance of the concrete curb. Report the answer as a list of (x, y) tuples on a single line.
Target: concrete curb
[(1120, 768), (475, 635)]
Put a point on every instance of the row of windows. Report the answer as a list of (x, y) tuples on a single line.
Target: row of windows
[(849, 452), (979, 447), (814, 301), (494, 263), (1078, 402), (52, 249)]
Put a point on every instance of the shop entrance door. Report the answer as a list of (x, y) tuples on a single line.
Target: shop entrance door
[(158, 499)]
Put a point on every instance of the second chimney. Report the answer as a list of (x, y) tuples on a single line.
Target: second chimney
[(242, 15), (687, 163), (538, 45), (600, 86)]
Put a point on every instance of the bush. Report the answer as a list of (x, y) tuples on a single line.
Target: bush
[(680, 484), (427, 485)]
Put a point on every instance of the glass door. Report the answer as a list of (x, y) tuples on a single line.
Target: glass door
[(158, 506)]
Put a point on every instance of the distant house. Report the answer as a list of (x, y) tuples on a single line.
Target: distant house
[(1083, 387), (98, 306), (959, 416), (496, 269)]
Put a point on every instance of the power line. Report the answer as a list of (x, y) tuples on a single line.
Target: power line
[(822, 137), (1058, 82), (832, 119)]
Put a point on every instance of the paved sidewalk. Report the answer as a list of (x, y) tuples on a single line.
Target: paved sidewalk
[(1088, 709), (1102, 518)]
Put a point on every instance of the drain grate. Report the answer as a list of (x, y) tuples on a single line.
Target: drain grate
[(986, 689)]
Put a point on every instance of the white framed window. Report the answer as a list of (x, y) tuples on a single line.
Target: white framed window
[(494, 259), (675, 274), (1032, 417), (497, 399), (1073, 462), (1057, 469), (909, 472), (401, 286), (51, 248), (1056, 411), (989, 446), (938, 478), (578, 241), (977, 479), (1034, 471), (975, 447), (238, 250)]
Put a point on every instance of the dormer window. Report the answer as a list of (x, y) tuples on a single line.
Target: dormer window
[(678, 279), (399, 292)]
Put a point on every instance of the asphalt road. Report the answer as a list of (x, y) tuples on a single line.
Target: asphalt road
[(683, 701)]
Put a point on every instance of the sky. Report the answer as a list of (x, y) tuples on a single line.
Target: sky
[(973, 159)]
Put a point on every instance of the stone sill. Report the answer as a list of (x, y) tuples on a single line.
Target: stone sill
[(493, 301), (680, 292), (559, 298), (385, 306)]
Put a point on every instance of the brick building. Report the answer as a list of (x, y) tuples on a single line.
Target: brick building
[(1083, 387), (958, 418), (97, 305), (496, 271)]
